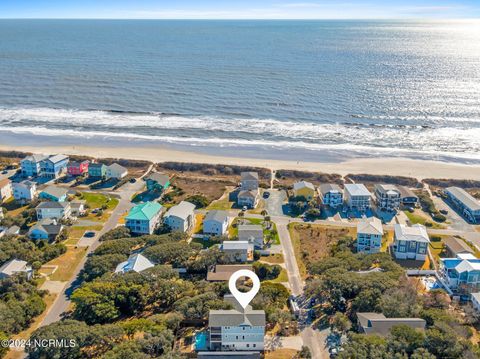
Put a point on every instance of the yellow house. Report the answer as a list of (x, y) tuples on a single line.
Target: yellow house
[(304, 189)]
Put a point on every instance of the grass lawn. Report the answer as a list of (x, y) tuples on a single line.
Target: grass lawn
[(233, 229), (420, 218), (282, 277), (97, 200), (67, 263), (222, 204), (13, 207), (205, 243), (275, 258), (75, 233)]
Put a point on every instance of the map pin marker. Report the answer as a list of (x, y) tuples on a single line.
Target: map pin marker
[(244, 298)]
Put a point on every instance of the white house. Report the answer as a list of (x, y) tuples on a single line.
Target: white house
[(181, 217), (357, 196), (25, 191), (136, 262), (215, 223), (331, 195), (252, 233), (410, 242), (5, 189), (15, 266), (369, 235), (53, 210), (116, 171), (237, 251), (236, 329), (249, 181), (388, 197)]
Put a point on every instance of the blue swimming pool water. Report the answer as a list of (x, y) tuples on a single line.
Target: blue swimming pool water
[(201, 341)]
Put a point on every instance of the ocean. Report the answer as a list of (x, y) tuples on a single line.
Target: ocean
[(302, 90)]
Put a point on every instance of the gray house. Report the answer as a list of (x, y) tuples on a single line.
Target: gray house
[(410, 242), (252, 233)]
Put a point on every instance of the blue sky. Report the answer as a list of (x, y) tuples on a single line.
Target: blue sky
[(240, 9)]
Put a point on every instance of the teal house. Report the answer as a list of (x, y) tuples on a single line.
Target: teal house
[(158, 182), (54, 194), (97, 170), (144, 218)]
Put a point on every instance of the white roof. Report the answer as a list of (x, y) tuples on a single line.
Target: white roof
[(417, 233), (466, 256), (467, 266), (181, 210), (476, 296), (117, 167), (236, 245), (370, 226), (357, 189), (303, 184), (57, 158), (35, 158), (463, 196), (136, 262), (14, 266)]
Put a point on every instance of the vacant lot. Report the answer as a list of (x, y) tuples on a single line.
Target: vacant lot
[(211, 188), (313, 242), (286, 178)]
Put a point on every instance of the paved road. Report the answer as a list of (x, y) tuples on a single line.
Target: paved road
[(62, 302), (274, 203)]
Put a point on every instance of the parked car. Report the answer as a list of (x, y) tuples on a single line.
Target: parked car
[(133, 180), (89, 234), (4, 172), (266, 195), (444, 211)]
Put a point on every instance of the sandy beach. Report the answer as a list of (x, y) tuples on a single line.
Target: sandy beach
[(378, 166)]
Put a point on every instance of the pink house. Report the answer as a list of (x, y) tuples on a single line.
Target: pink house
[(77, 168)]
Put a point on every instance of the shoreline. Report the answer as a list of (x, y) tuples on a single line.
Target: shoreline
[(393, 166)]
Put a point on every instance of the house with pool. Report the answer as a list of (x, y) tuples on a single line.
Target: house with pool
[(461, 274)]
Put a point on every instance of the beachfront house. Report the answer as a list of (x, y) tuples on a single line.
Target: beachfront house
[(249, 181), (15, 266), (461, 274), (24, 191), (236, 329), (410, 242), (157, 182), (223, 272), (252, 233), (144, 218), (77, 168), (378, 324), (54, 193), (304, 189), (116, 171), (6, 190), (331, 195), (54, 166), (46, 229), (387, 197), (215, 223), (407, 197), (181, 217), (53, 210), (465, 203), (369, 235), (136, 263), (237, 251), (97, 170), (31, 166), (357, 197), (248, 198)]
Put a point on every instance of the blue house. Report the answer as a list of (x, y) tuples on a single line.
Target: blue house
[(157, 182), (461, 274), (32, 165), (54, 194), (54, 166)]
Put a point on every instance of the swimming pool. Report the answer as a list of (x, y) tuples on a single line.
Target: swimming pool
[(201, 341)]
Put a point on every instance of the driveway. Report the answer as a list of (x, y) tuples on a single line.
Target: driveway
[(274, 203)]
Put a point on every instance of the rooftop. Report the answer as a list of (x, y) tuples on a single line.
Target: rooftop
[(136, 262), (144, 211), (370, 226), (248, 193), (303, 184), (457, 245), (55, 191), (377, 323), (216, 215), (406, 192), (249, 176), (357, 189), (53, 205), (14, 266), (389, 189), (463, 196), (161, 178), (246, 231), (417, 233), (329, 187), (181, 210), (236, 245), (117, 167), (57, 158), (35, 158), (236, 317)]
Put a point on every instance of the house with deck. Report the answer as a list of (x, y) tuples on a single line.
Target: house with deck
[(25, 191), (410, 242), (116, 171), (237, 251), (54, 166), (54, 193), (144, 218), (236, 329), (157, 182), (15, 266), (387, 197), (461, 273), (252, 233), (369, 235), (136, 263), (331, 195), (45, 229), (407, 197), (357, 197), (77, 168), (6, 190), (466, 204), (304, 189), (216, 223), (97, 170), (53, 210), (181, 217), (31, 166)]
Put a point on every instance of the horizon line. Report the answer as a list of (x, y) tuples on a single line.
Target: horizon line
[(249, 19)]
